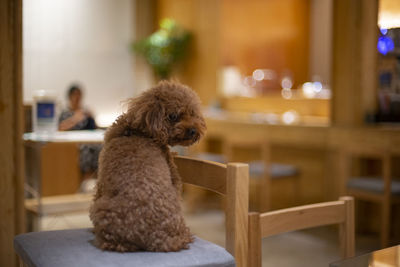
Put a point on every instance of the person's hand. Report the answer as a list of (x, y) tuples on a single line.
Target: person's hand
[(79, 115), (70, 122)]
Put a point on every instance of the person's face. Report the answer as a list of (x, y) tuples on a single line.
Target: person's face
[(75, 99)]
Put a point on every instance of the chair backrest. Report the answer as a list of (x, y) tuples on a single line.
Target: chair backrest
[(232, 181), (286, 220), (353, 151)]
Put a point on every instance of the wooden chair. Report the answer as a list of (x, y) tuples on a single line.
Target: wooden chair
[(230, 180), (286, 220), (263, 172), (381, 189), (74, 247)]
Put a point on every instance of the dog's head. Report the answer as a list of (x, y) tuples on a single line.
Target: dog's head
[(169, 113)]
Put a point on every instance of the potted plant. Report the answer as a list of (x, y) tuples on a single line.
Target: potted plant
[(164, 48)]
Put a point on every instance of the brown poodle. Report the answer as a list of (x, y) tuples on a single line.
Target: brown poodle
[(137, 202)]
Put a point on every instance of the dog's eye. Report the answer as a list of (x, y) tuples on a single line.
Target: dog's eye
[(173, 117)]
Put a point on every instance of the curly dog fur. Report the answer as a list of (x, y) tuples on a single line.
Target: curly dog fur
[(137, 200)]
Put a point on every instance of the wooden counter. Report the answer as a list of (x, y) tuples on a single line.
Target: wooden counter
[(314, 148), (315, 135)]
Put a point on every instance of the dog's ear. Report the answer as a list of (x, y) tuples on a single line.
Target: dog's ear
[(136, 113), (146, 115), (156, 123)]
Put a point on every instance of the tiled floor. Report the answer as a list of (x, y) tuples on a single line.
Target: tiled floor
[(316, 247)]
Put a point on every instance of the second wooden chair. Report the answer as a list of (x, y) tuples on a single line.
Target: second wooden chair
[(263, 173), (286, 220)]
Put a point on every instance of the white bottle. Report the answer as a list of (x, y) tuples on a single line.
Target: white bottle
[(44, 113)]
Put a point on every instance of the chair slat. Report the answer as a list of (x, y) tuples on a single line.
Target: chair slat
[(302, 217), (270, 223), (203, 173)]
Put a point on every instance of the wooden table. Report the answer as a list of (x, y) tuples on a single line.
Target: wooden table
[(385, 257), (52, 166), (52, 173)]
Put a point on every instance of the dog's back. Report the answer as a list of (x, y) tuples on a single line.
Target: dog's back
[(136, 206)]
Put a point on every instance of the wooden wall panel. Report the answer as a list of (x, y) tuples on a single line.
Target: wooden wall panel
[(249, 34), (270, 34), (201, 18), (145, 24), (11, 121)]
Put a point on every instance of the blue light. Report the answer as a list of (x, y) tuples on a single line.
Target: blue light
[(385, 45), (384, 31)]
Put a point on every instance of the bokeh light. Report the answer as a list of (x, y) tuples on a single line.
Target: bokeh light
[(258, 75), (286, 83), (308, 90), (385, 45), (286, 93), (290, 117)]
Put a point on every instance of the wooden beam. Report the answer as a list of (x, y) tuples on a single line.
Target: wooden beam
[(11, 121), (354, 76), (369, 56), (145, 24)]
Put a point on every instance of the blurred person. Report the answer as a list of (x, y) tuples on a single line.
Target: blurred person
[(75, 117)]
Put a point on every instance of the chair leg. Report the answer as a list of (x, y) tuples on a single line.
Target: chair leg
[(254, 258), (297, 191), (33, 221), (264, 195), (386, 201), (385, 224)]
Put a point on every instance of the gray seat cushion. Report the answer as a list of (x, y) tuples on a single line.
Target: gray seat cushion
[(72, 248), (276, 170), (373, 184)]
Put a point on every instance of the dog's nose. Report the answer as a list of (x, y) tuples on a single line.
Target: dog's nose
[(191, 132)]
